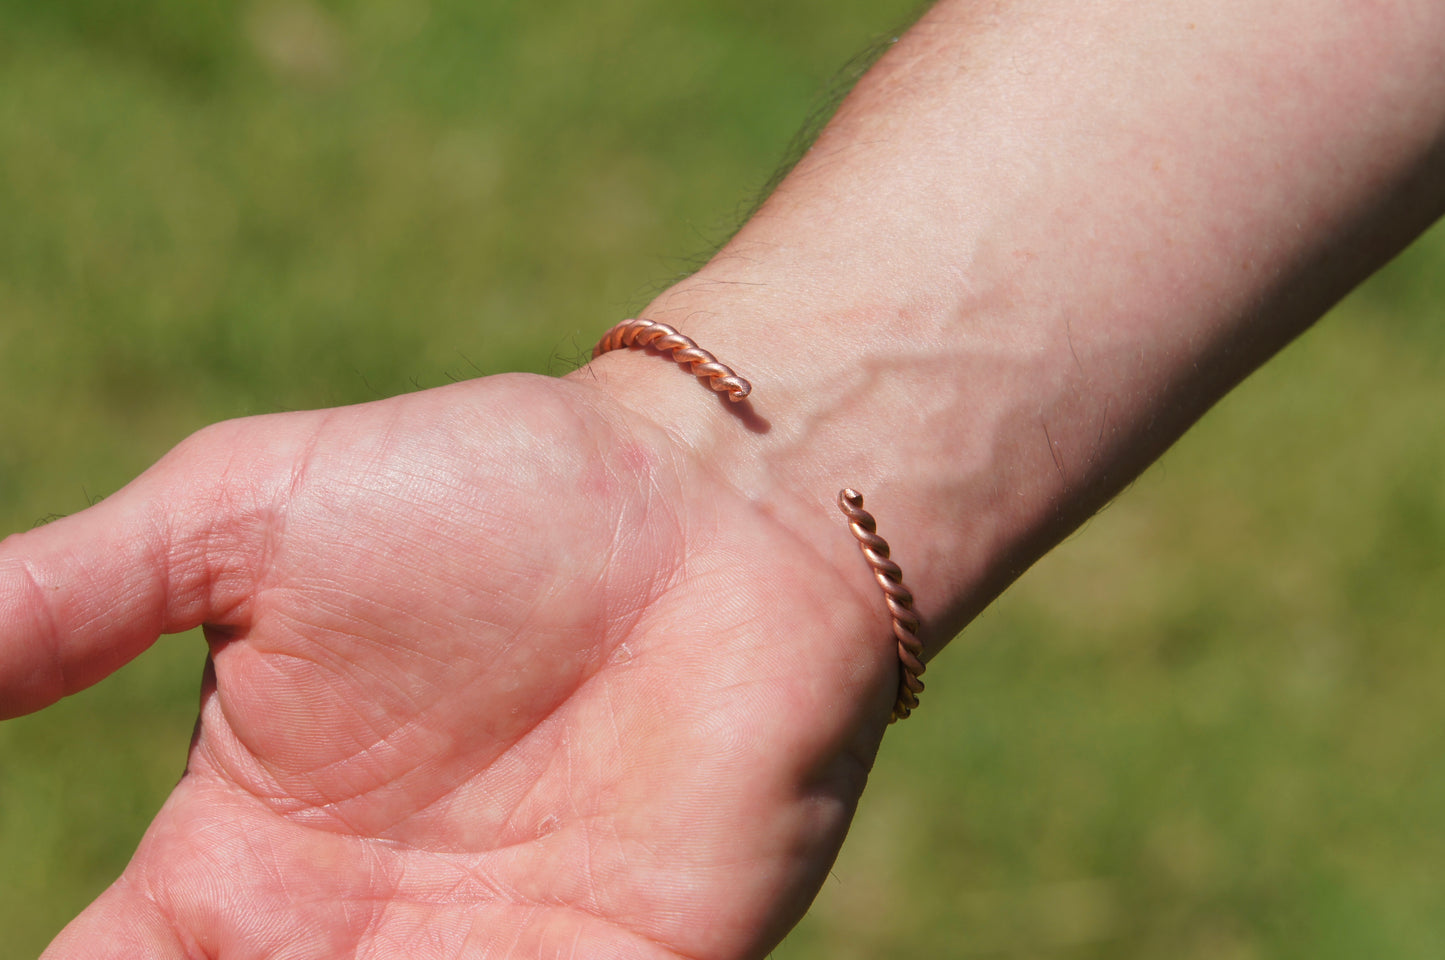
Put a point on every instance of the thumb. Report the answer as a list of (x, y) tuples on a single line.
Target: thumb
[(82, 596)]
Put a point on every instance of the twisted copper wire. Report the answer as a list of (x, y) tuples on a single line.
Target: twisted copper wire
[(898, 597), (660, 336), (641, 334)]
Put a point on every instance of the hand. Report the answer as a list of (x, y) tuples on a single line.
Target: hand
[(498, 669)]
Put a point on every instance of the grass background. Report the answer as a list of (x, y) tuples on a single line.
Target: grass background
[(1209, 726)]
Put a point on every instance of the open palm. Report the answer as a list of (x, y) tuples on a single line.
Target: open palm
[(497, 670)]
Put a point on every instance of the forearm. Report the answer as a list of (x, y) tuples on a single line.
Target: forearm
[(1037, 242)]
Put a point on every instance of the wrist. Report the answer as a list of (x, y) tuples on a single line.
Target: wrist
[(869, 397), (711, 457)]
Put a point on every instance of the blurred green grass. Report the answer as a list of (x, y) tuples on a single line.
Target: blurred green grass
[(1208, 726)]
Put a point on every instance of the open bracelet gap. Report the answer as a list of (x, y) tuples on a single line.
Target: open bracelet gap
[(641, 334)]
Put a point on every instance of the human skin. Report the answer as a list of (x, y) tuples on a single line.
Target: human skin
[(591, 666)]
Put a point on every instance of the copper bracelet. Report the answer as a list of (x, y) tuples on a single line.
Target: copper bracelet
[(898, 597), (660, 336), (720, 377)]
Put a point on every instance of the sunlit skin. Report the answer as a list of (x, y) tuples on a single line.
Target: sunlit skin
[(591, 667), (496, 671)]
